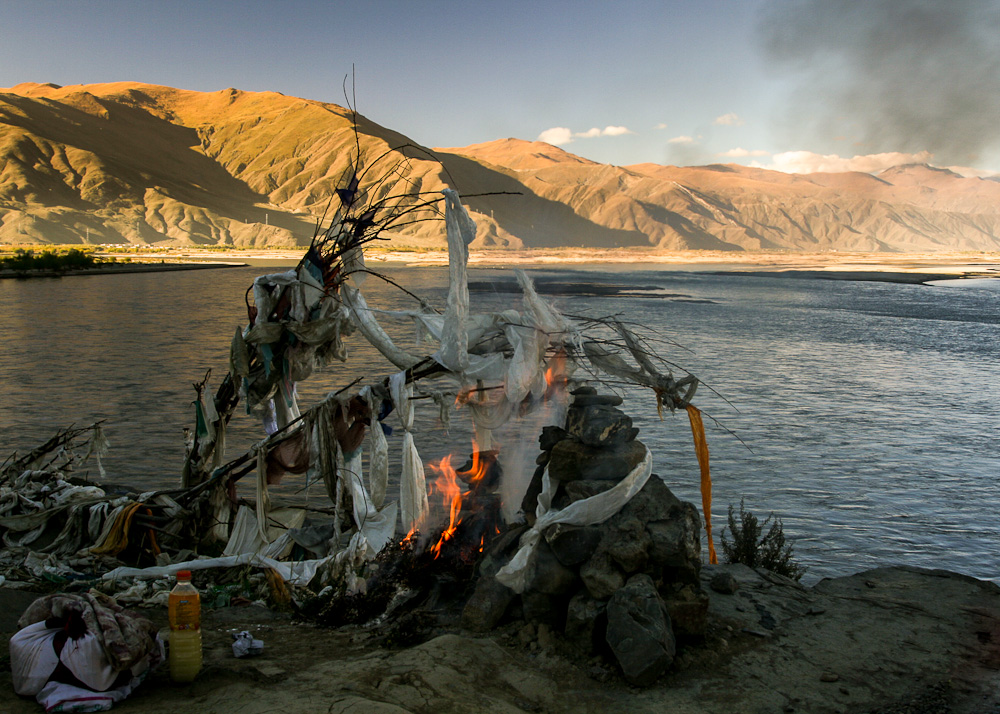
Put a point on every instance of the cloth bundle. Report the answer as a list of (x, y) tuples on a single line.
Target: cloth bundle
[(81, 652)]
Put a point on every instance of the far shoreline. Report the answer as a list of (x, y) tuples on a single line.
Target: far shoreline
[(903, 268), (116, 269), (906, 268)]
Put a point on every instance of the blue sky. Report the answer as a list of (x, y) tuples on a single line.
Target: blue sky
[(789, 84)]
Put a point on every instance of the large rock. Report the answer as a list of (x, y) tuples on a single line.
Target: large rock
[(674, 529), (628, 543), (601, 576), (572, 545), (572, 461), (572, 491), (487, 606), (586, 621), (548, 575), (598, 425), (550, 436), (639, 631)]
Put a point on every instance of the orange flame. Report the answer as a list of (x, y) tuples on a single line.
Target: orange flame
[(447, 485), (464, 396), (555, 373)]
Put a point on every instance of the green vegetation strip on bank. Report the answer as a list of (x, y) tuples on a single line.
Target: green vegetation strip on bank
[(49, 260)]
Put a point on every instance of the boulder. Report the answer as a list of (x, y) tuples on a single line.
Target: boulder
[(550, 436), (572, 545), (571, 491), (487, 605), (573, 461), (639, 631), (598, 425), (586, 621), (548, 575), (674, 529), (628, 543), (601, 576)]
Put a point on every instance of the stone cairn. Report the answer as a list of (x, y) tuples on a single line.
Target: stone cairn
[(627, 588)]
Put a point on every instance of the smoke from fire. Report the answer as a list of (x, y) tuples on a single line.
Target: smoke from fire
[(895, 75)]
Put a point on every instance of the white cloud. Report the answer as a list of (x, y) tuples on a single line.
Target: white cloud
[(660, 126), (681, 140), (806, 162), (730, 119), (740, 153), (559, 135), (969, 172)]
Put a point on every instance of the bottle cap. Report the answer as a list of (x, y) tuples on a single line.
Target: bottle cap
[(183, 574)]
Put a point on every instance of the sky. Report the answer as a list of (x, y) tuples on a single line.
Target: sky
[(793, 85)]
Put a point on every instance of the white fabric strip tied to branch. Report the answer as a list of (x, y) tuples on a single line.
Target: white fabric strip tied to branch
[(378, 451), (377, 526), (270, 540), (585, 512), (412, 482), (298, 572), (373, 332), (457, 329), (454, 352), (99, 446), (263, 497)]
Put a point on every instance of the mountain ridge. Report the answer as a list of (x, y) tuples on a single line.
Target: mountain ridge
[(128, 162)]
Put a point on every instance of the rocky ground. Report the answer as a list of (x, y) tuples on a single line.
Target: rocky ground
[(887, 641)]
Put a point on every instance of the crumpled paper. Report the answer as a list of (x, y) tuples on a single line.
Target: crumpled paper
[(244, 645)]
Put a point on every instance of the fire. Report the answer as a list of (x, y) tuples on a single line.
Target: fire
[(555, 373), (464, 396), (448, 487)]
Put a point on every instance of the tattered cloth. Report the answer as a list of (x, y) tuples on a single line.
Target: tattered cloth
[(124, 637)]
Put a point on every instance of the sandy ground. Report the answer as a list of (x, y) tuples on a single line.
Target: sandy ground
[(886, 641)]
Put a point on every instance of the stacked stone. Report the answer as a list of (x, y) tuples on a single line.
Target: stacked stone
[(630, 584)]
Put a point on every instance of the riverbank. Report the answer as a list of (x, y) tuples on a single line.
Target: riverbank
[(884, 267), (118, 269), (885, 641)]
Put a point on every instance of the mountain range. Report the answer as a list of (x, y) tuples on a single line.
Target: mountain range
[(137, 163)]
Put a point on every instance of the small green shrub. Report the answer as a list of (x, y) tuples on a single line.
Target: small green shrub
[(751, 546)]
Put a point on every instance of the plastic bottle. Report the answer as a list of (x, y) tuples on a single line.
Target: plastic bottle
[(184, 613)]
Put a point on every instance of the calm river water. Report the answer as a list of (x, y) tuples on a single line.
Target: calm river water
[(867, 414)]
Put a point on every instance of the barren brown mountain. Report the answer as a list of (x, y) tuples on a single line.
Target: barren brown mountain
[(139, 163)]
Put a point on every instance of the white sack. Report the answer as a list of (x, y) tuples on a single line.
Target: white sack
[(32, 659)]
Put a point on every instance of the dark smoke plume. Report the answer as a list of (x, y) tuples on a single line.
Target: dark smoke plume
[(899, 75)]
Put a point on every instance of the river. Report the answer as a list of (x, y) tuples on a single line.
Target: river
[(865, 415)]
